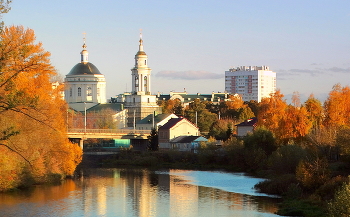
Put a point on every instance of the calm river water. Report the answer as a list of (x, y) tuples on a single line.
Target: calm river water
[(144, 193)]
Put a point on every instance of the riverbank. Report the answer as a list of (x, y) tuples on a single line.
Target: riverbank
[(297, 201)]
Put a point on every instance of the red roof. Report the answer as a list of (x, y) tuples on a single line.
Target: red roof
[(172, 122), (249, 122)]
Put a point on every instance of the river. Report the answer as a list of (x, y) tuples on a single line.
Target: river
[(143, 193)]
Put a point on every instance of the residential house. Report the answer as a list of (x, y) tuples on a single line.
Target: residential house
[(150, 121), (187, 143), (246, 127), (175, 127)]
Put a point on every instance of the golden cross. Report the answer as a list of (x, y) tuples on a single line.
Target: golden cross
[(84, 33)]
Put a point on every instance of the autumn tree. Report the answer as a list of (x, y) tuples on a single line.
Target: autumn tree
[(315, 111), (222, 129), (254, 106), (230, 108), (313, 172), (271, 110), (261, 138), (33, 114), (4, 8), (294, 124), (172, 106), (196, 112), (337, 106), (339, 206)]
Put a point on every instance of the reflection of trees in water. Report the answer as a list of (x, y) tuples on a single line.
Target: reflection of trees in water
[(141, 192), (238, 201)]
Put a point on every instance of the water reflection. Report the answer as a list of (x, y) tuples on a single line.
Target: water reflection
[(139, 192)]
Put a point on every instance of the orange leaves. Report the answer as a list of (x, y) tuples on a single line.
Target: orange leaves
[(337, 106), (24, 64), (271, 110), (29, 104), (285, 121)]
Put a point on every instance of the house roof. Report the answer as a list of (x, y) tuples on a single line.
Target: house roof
[(173, 121), (248, 122), (187, 139), (158, 118)]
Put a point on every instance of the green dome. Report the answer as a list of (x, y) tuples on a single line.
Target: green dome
[(84, 69)]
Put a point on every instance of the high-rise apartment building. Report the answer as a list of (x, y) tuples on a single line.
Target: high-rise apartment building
[(250, 82)]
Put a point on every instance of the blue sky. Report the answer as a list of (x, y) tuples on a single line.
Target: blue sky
[(191, 43)]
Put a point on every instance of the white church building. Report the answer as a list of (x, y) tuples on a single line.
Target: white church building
[(85, 85)]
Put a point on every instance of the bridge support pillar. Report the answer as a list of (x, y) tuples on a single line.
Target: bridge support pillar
[(81, 143)]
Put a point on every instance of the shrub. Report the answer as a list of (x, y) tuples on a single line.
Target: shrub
[(286, 159), (340, 205), (280, 185), (313, 173)]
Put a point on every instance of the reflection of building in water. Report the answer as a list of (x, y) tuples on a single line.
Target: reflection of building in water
[(95, 200), (183, 197)]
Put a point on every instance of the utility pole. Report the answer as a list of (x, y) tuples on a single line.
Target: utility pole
[(85, 117)]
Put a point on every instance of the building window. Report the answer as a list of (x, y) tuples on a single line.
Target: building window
[(89, 91), (145, 83), (145, 62), (79, 91), (136, 81), (98, 91), (70, 92)]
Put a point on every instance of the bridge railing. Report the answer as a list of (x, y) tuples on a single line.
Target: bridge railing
[(109, 131)]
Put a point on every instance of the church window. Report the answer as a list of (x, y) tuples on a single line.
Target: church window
[(145, 62), (70, 92), (89, 91), (145, 83), (79, 91), (147, 100), (136, 81)]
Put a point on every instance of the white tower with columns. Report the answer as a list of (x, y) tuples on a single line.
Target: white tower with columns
[(140, 103), (141, 73)]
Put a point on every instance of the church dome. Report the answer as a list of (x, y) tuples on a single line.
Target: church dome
[(140, 53), (84, 69)]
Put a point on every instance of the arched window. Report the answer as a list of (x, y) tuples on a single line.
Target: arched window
[(136, 83), (89, 91), (145, 82), (79, 91), (145, 62)]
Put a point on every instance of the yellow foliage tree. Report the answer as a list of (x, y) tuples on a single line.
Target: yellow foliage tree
[(271, 111), (337, 106), (32, 113)]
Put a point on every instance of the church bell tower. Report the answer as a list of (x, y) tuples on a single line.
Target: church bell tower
[(141, 73)]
